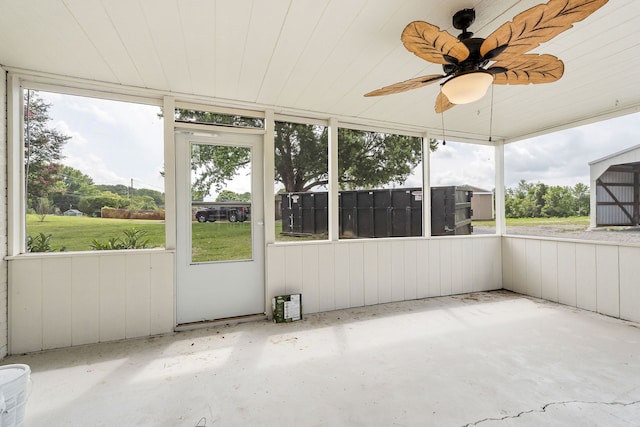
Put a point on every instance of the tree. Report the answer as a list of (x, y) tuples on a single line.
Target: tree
[(366, 159), (43, 149), (91, 205), (75, 185), (529, 200), (43, 208), (558, 202), (230, 196), (582, 198)]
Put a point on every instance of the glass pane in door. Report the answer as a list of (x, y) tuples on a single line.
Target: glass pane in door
[(221, 203)]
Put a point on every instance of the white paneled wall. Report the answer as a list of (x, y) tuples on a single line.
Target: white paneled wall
[(64, 300), (356, 273), (600, 277)]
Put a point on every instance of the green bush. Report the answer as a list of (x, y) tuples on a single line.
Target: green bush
[(40, 243), (132, 239)]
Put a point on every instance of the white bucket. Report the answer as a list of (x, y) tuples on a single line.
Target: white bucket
[(13, 394)]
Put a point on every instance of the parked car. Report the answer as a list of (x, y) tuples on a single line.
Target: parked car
[(217, 213)]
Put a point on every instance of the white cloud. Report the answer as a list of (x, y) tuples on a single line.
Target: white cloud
[(111, 141)]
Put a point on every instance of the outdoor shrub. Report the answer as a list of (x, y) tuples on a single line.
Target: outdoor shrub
[(131, 239), (39, 243)]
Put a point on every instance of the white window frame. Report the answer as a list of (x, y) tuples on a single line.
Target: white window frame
[(16, 189)]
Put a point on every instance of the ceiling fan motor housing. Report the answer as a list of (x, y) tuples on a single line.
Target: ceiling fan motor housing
[(463, 20)]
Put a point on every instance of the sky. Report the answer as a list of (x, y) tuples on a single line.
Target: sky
[(114, 142)]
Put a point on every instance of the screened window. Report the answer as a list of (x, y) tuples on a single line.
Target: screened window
[(301, 181), (549, 183), (380, 178), (462, 178), (185, 115), (93, 173)]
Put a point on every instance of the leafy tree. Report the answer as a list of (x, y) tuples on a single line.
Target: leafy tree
[(540, 200), (582, 197), (215, 165), (43, 208), (91, 205), (371, 159), (76, 184), (157, 196), (43, 149), (558, 202), (230, 196), (142, 203), (119, 189), (43, 180), (366, 159)]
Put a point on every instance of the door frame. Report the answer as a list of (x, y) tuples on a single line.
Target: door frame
[(184, 136)]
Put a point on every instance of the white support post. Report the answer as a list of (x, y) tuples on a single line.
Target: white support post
[(269, 178), (501, 227), (168, 114), (426, 186), (334, 226), (15, 170)]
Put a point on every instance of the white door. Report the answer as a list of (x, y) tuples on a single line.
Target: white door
[(220, 245)]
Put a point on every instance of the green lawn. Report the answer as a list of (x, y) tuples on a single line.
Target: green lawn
[(211, 241), (76, 233), (220, 241), (532, 222)]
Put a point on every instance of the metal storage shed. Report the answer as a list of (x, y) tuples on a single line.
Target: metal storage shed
[(482, 205), (615, 188)]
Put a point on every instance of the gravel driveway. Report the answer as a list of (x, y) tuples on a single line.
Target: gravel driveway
[(627, 235)]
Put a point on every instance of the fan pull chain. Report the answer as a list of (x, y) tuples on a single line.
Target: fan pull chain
[(444, 142)]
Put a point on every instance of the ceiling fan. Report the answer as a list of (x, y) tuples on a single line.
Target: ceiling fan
[(464, 59)]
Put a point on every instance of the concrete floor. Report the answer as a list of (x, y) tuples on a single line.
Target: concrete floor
[(485, 359)]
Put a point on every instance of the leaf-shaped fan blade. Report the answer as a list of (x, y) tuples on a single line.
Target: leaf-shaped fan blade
[(406, 85), (431, 44), (525, 69), (443, 103), (537, 25)]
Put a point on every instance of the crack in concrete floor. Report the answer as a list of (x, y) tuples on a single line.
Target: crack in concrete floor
[(544, 407)]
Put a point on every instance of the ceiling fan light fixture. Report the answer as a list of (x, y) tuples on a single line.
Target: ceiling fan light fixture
[(468, 87)]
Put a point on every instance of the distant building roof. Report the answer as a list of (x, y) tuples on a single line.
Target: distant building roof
[(476, 189)]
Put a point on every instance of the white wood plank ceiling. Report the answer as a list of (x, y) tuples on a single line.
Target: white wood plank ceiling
[(321, 56)]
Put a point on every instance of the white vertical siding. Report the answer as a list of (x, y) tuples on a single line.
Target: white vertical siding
[(532, 268), (63, 300), (586, 296), (385, 274), (607, 281), (567, 273), (56, 307), (376, 271), (629, 283), (85, 300), (600, 277), (422, 268), (549, 271)]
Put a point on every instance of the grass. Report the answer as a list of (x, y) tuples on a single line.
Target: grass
[(533, 222), (220, 241), (76, 233), (216, 241), (211, 241)]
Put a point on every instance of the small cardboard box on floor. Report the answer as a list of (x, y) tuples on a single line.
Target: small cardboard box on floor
[(287, 308)]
